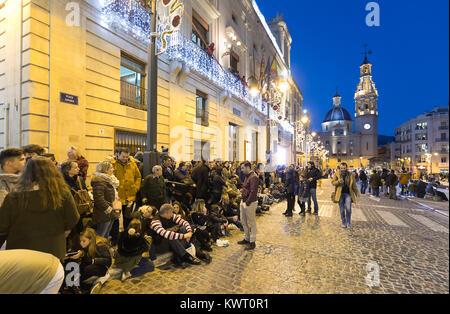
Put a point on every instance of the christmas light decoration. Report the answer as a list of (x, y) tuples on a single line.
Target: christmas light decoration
[(131, 17)]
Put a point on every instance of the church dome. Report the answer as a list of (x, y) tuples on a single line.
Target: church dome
[(337, 114)]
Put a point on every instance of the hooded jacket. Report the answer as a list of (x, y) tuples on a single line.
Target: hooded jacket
[(7, 183)]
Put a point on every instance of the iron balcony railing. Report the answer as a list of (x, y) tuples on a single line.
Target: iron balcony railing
[(133, 96)]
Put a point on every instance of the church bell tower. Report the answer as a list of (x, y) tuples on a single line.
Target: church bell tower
[(366, 110)]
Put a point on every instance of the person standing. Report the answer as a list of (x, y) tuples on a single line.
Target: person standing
[(74, 155), (392, 182), (248, 206), (312, 176), (12, 161), (167, 171), (200, 175), (346, 193), (290, 190), (41, 212), (375, 183), (404, 178), (107, 206), (153, 189), (302, 193), (129, 176), (363, 178)]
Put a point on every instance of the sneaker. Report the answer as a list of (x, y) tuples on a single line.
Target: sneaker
[(243, 242), (125, 276), (316, 214), (289, 215), (192, 260), (349, 225), (302, 214), (344, 226), (252, 246)]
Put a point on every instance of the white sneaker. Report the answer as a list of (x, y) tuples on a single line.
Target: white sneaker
[(125, 276)]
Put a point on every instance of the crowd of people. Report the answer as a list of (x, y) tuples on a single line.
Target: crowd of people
[(118, 224), (115, 226)]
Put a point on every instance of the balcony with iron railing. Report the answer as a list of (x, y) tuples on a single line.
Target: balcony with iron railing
[(134, 20), (443, 128), (133, 96), (442, 139)]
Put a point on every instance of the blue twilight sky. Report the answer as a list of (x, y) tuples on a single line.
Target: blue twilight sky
[(410, 54)]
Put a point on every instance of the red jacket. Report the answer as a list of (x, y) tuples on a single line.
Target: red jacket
[(250, 189)]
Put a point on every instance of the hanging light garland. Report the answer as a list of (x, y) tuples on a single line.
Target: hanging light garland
[(131, 17)]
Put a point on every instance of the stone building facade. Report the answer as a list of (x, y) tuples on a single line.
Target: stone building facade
[(422, 143), (353, 142), (71, 74)]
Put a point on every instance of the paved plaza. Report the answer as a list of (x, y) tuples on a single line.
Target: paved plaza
[(393, 247)]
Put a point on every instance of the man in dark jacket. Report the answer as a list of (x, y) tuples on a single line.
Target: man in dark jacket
[(392, 182), (312, 176), (167, 171), (290, 189), (375, 183), (363, 179), (200, 177), (248, 206), (153, 189)]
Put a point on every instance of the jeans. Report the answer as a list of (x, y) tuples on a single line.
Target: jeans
[(248, 219), (290, 203), (312, 193), (376, 192), (404, 189), (104, 229), (363, 187), (345, 205)]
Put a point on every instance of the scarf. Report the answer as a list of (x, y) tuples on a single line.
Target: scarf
[(182, 171), (110, 179)]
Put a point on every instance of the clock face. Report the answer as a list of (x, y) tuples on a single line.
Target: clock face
[(367, 126)]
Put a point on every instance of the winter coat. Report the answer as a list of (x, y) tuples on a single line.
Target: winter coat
[(83, 165), (74, 183), (350, 182), (391, 180), (290, 181), (375, 181), (303, 189), (7, 184), (363, 176), (104, 195), (181, 177), (130, 180), (168, 173), (102, 256), (200, 177), (404, 178), (154, 190), (315, 174), (31, 226), (218, 184)]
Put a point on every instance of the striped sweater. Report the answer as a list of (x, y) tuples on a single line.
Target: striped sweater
[(157, 226)]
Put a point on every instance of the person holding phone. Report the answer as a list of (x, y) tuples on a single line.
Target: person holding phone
[(346, 193)]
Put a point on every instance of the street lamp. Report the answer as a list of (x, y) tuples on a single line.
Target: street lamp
[(272, 92)]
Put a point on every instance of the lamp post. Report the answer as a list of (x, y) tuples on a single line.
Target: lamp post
[(151, 155), (273, 95)]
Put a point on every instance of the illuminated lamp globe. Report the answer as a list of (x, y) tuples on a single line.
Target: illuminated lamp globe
[(253, 87)]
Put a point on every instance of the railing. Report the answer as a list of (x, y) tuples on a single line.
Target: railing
[(443, 128), (133, 96), (442, 140)]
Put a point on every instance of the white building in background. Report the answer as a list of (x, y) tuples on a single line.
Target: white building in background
[(63, 83), (423, 142)]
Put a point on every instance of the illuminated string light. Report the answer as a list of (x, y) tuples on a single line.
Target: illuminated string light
[(131, 17)]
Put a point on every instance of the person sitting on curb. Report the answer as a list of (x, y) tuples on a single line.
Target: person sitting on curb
[(172, 232)]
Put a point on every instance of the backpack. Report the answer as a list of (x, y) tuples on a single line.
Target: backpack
[(82, 200)]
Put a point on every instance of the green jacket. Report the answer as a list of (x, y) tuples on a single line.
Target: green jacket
[(154, 190), (32, 227), (351, 182)]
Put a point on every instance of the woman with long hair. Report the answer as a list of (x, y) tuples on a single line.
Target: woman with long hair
[(70, 172), (94, 257), (41, 212)]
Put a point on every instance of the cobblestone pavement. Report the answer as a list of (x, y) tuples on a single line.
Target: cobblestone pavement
[(313, 254)]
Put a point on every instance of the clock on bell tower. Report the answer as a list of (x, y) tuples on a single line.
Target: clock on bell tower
[(366, 109)]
